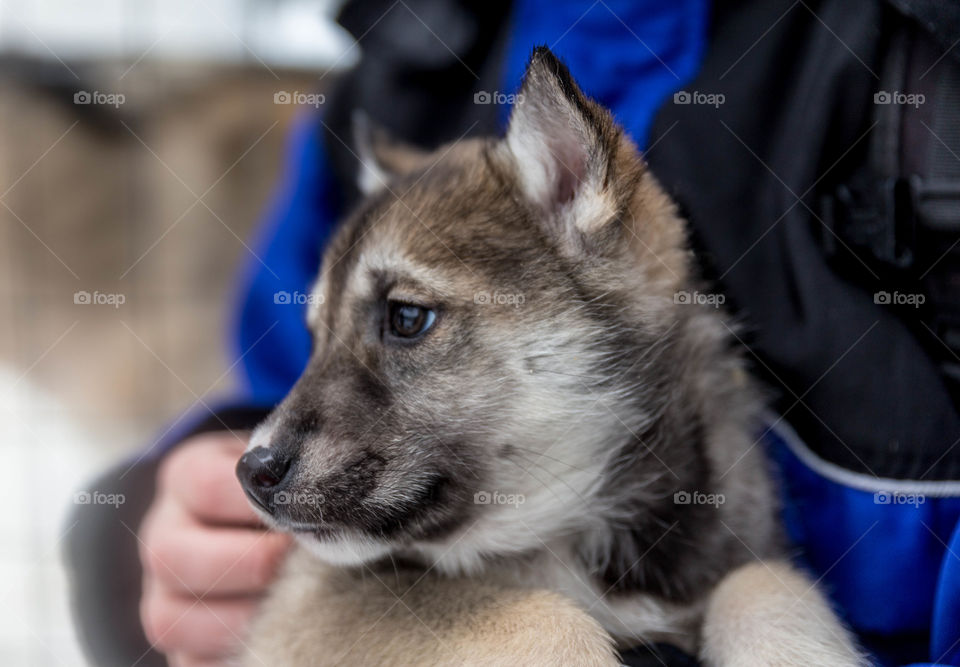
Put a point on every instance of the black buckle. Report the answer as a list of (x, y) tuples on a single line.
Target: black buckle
[(938, 204), (877, 221)]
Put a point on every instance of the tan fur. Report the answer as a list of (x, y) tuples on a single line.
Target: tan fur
[(765, 614), (406, 617), (769, 615)]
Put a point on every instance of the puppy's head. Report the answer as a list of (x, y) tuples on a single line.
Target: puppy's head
[(479, 324)]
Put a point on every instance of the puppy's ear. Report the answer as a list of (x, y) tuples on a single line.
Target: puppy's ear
[(567, 150), (382, 156)]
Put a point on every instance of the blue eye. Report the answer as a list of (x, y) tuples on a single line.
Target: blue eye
[(409, 321)]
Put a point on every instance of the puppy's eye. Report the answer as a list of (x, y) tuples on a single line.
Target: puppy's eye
[(409, 321)]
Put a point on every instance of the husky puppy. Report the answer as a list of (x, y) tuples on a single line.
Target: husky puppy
[(517, 441)]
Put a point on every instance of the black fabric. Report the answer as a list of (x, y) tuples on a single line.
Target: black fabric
[(419, 88), (658, 655), (104, 569), (939, 18), (102, 559), (935, 161), (900, 210), (849, 374)]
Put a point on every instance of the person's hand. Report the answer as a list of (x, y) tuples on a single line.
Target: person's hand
[(206, 558)]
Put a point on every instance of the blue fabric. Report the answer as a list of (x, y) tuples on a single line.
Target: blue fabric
[(890, 576), (945, 636), (631, 55), (885, 563), (271, 340)]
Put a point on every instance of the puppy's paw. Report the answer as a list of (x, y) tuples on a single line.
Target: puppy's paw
[(770, 614)]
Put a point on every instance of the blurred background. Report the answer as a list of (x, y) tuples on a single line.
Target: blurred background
[(139, 145)]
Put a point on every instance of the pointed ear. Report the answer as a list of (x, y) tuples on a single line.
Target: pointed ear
[(382, 157), (566, 148)]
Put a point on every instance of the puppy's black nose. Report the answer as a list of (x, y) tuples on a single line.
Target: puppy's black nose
[(260, 470)]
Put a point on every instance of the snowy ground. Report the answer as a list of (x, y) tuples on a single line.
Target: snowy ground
[(46, 455)]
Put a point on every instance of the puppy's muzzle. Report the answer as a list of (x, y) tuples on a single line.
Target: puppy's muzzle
[(261, 471)]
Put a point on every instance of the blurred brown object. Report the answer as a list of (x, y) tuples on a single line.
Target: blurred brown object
[(154, 200)]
